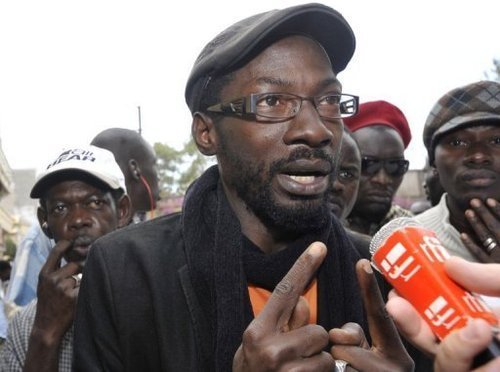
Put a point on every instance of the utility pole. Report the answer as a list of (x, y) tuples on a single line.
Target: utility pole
[(140, 124)]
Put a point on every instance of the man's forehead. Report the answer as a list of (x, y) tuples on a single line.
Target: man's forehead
[(275, 84), (379, 140), (327, 82), (349, 145), (286, 66)]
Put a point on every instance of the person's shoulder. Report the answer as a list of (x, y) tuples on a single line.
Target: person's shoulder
[(396, 211), (169, 222), (151, 237), (23, 319), (33, 234), (399, 211), (139, 252), (13, 352), (155, 228), (35, 240), (439, 212), (30, 309), (429, 215), (361, 242)]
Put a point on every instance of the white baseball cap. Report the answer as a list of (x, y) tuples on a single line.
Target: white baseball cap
[(89, 160)]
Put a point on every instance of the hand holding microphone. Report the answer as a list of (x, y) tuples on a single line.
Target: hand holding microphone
[(413, 260)]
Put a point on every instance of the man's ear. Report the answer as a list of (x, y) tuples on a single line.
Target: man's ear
[(124, 209), (203, 132), (134, 168), (42, 220)]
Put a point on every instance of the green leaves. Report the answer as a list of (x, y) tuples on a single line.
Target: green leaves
[(178, 168)]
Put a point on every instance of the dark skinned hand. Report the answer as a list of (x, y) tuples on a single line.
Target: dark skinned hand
[(56, 294), (387, 352), (280, 338), (484, 218)]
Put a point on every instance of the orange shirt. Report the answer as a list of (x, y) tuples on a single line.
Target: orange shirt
[(259, 297)]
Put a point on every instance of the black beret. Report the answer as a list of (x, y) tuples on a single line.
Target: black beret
[(244, 40)]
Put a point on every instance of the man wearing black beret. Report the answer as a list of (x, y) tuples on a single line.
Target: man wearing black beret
[(254, 274)]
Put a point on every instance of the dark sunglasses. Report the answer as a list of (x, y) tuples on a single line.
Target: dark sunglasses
[(393, 167)]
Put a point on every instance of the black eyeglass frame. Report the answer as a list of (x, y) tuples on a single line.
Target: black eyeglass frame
[(402, 166), (248, 105)]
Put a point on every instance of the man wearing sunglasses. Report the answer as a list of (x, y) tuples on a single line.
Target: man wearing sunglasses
[(382, 132)]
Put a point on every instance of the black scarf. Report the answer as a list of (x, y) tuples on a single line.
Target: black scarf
[(221, 265)]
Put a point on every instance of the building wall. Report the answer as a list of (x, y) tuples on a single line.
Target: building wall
[(8, 223), (19, 201)]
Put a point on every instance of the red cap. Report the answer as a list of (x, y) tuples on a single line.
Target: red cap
[(380, 113)]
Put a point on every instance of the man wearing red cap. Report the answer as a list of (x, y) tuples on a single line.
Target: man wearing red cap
[(382, 132)]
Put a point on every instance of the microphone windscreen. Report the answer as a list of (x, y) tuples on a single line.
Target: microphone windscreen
[(381, 236)]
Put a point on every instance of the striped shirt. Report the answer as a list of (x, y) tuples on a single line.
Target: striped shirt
[(437, 219), (13, 354)]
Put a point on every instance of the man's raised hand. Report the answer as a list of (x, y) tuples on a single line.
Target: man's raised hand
[(280, 338)]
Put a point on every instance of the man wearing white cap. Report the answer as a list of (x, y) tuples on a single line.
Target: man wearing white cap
[(82, 198), (137, 160)]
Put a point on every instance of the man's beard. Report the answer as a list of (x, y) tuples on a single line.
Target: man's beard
[(254, 186)]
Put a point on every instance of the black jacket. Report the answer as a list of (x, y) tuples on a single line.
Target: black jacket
[(139, 322), (133, 326)]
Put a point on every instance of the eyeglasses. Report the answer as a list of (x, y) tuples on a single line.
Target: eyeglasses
[(273, 107), (393, 167)]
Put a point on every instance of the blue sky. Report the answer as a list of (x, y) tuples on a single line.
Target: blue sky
[(70, 69)]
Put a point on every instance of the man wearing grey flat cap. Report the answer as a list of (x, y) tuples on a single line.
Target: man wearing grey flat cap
[(254, 274), (462, 137)]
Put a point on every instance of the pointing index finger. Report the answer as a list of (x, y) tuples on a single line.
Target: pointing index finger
[(382, 329), (54, 259), (277, 312)]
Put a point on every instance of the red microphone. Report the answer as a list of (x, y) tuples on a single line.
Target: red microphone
[(411, 258)]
